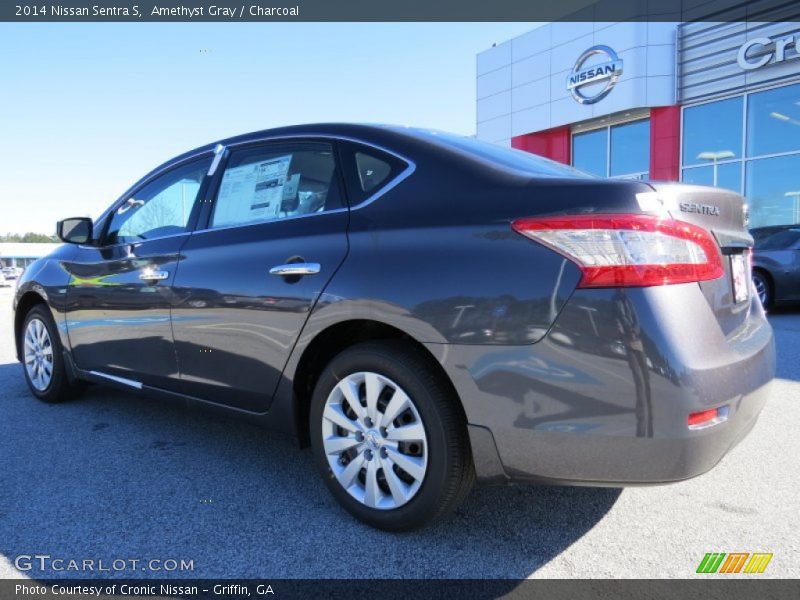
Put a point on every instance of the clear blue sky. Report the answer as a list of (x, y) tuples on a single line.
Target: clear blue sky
[(86, 109)]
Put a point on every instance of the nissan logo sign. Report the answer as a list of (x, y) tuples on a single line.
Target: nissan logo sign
[(608, 71)]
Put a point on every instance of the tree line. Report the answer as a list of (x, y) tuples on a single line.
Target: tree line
[(27, 238)]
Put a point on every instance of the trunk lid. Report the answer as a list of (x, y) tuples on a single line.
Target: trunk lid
[(723, 213), (719, 211)]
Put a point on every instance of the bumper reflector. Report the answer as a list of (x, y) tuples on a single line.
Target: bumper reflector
[(707, 418)]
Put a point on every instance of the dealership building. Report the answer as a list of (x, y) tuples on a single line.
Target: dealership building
[(700, 102), (15, 254)]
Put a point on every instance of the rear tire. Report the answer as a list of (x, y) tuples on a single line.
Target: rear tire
[(385, 434), (43, 359), (763, 287)]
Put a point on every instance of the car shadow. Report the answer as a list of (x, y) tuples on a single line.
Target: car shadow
[(113, 475)]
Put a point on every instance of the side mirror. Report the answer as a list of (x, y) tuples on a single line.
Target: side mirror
[(76, 230)]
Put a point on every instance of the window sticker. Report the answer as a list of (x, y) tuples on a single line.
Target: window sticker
[(252, 192)]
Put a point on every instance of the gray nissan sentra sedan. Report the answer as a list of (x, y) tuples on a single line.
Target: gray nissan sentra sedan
[(422, 309)]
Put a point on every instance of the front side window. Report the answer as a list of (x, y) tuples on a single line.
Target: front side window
[(266, 183), (161, 207)]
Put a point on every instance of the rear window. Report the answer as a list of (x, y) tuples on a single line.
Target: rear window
[(510, 158)]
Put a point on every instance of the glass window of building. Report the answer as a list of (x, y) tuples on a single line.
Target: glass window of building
[(773, 121), (725, 175), (769, 153), (712, 132), (630, 149), (616, 151), (590, 152), (772, 188)]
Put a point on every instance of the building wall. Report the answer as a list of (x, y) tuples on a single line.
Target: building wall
[(522, 83), (692, 80), (15, 254), (739, 86), (665, 143), (554, 143), (708, 65)]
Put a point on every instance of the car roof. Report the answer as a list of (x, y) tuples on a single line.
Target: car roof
[(374, 133), (364, 130), (408, 142)]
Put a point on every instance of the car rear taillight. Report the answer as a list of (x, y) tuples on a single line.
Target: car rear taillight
[(628, 250)]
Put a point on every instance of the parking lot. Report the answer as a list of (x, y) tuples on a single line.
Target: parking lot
[(115, 476)]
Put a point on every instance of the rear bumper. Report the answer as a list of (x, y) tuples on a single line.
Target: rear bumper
[(604, 398)]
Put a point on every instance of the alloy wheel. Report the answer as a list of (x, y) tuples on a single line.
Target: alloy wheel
[(38, 350), (374, 440), (761, 289)]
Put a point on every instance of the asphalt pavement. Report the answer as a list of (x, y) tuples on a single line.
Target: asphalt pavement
[(114, 476)]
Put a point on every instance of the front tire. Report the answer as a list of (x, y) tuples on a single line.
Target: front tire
[(43, 360), (389, 438)]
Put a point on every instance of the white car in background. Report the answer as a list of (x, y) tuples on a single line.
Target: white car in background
[(9, 275)]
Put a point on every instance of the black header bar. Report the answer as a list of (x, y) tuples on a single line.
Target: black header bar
[(396, 10)]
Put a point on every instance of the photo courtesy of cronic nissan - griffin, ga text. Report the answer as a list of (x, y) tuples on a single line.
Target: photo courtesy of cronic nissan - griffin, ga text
[(424, 310)]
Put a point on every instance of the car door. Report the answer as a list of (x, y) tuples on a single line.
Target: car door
[(274, 235), (779, 254), (792, 285), (119, 292)]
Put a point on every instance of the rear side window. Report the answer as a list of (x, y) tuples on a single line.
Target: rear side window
[(372, 171), (368, 170), (267, 183)]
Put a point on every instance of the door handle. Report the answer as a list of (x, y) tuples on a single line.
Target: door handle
[(153, 275), (290, 269)]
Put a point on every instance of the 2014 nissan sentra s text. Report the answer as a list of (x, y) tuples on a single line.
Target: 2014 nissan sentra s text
[(422, 309)]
